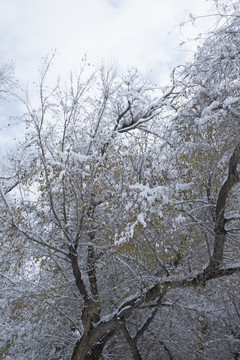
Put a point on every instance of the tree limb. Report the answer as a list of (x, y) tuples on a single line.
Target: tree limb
[(220, 232)]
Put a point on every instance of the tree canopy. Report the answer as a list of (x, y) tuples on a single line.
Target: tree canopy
[(120, 220)]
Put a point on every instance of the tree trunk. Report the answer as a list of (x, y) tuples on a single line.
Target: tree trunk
[(83, 351)]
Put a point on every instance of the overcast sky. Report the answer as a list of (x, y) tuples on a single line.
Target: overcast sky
[(141, 33)]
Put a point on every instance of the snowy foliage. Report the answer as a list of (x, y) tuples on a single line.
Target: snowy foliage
[(120, 217)]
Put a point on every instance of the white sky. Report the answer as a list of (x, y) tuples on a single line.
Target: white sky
[(131, 32)]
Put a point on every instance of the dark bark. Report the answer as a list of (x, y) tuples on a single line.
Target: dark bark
[(167, 350), (220, 232), (83, 352), (96, 352), (91, 345), (131, 342), (77, 274), (92, 276), (92, 271)]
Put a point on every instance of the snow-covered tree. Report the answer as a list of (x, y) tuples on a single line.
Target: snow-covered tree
[(64, 198), (120, 214)]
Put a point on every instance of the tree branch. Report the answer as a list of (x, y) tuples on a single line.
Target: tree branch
[(131, 342), (220, 232), (77, 274)]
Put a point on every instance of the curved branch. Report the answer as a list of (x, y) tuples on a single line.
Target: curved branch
[(126, 308), (220, 232)]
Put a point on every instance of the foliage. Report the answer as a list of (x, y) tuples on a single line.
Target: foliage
[(120, 214)]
